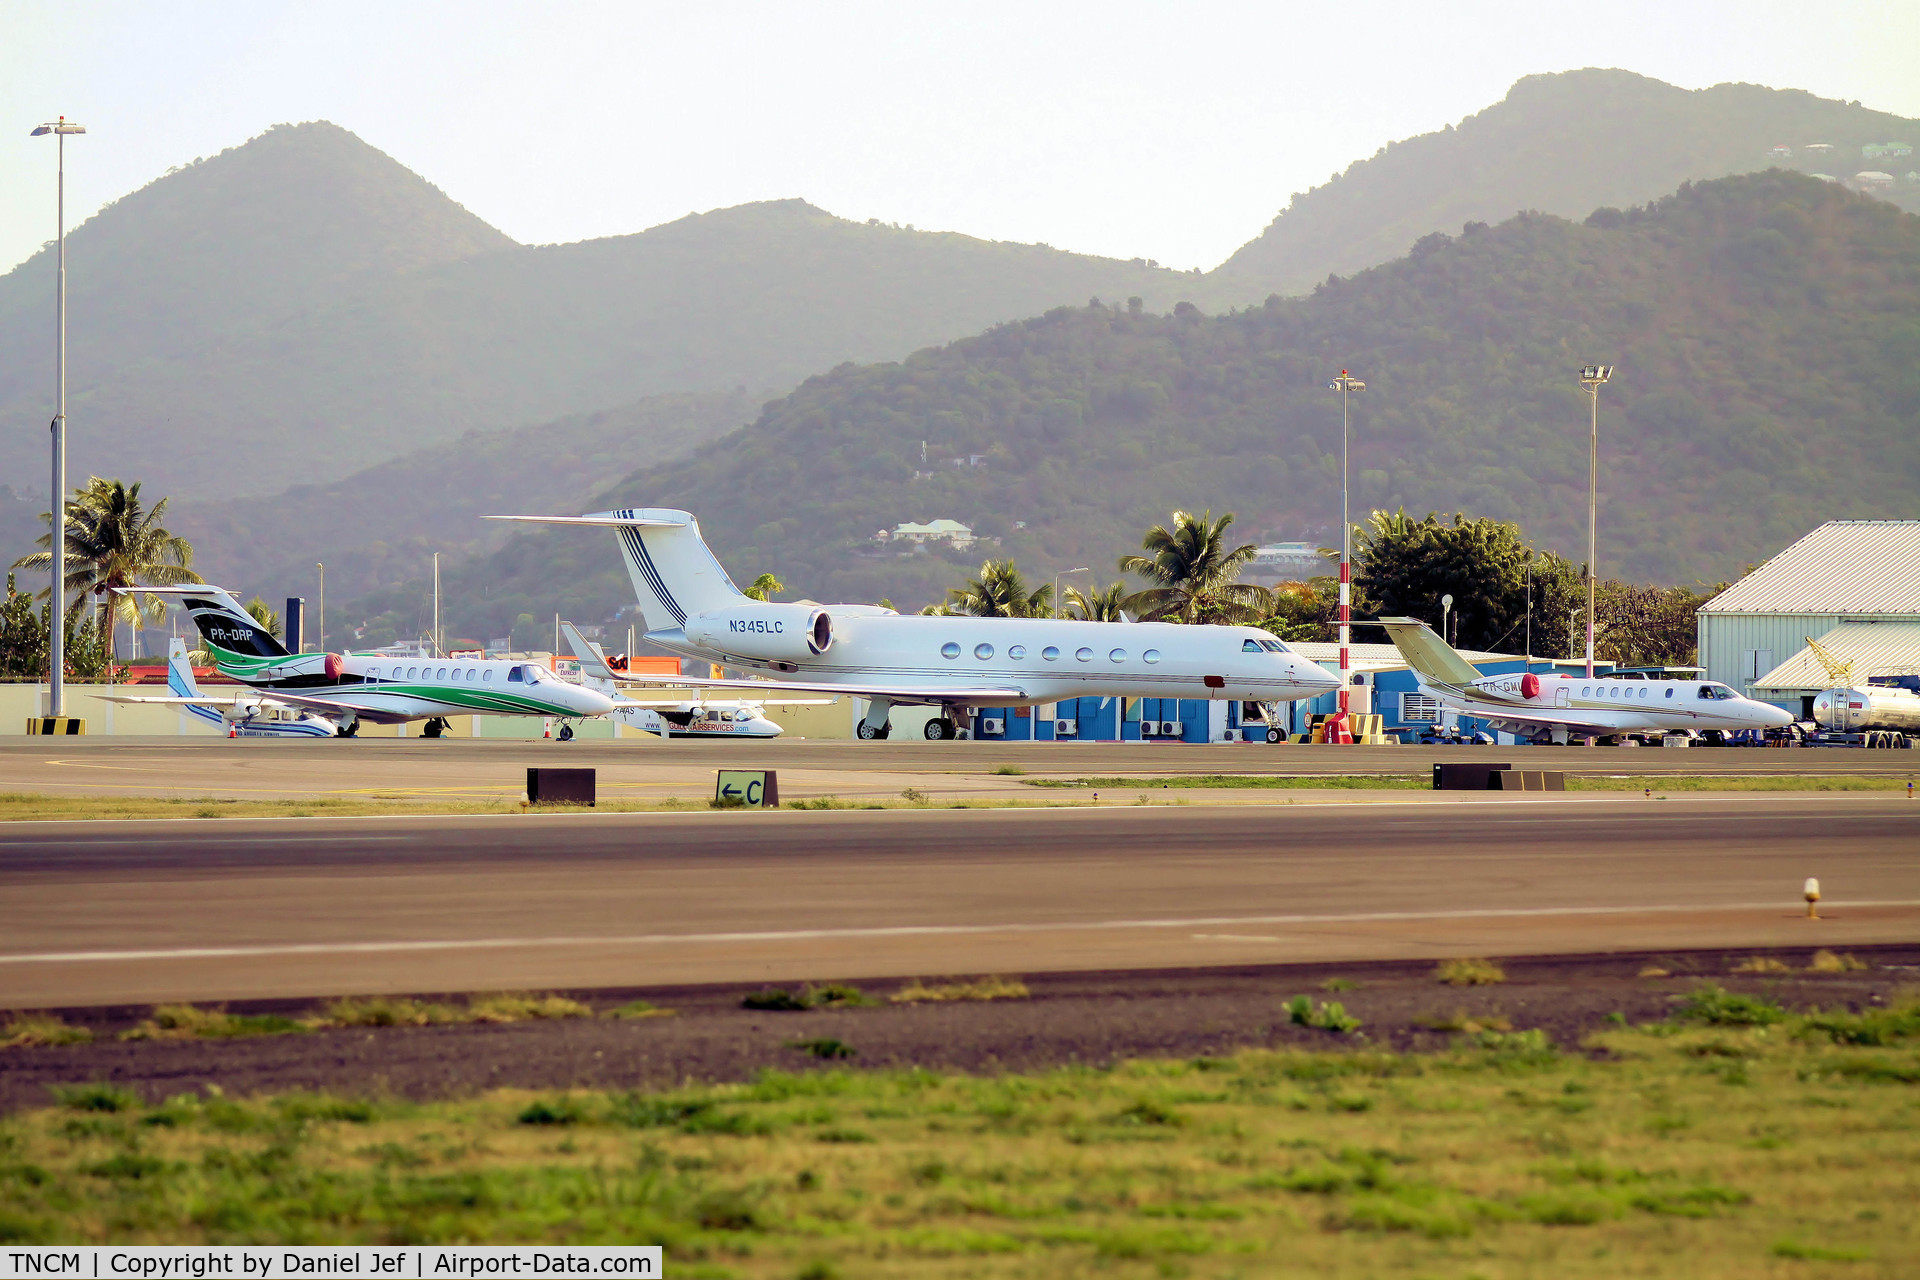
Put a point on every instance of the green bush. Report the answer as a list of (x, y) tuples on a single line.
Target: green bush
[(1718, 1007)]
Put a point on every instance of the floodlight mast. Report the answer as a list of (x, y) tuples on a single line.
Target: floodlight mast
[(1345, 384), (1056, 586), (1592, 378), (57, 509)]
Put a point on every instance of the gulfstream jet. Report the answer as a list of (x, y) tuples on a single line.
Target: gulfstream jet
[(347, 688), (692, 607), (1558, 708)]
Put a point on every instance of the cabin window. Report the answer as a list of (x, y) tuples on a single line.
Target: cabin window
[(516, 674), (1118, 655), (949, 650), (1085, 655), (413, 673), (1584, 691), (1669, 693), (1151, 655), (1249, 646), (1016, 651), (983, 651), (487, 674), (1643, 691), (1050, 653)]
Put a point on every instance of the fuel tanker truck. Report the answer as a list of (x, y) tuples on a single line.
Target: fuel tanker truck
[(1880, 715)]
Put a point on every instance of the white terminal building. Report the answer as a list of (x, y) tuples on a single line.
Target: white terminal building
[(1851, 585)]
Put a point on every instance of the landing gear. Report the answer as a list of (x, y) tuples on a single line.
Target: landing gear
[(939, 729), (870, 732), (351, 729), (434, 727), (875, 725), (566, 733), (1274, 735)]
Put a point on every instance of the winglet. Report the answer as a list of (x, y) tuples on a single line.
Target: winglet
[(1430, 656)]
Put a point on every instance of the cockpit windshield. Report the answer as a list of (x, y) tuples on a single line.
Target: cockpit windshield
[(1716, 692)]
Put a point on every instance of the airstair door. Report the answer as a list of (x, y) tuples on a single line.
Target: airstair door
[(1562, 697)]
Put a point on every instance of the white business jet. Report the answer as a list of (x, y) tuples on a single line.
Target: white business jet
[(1558, 708), (699, 717), (692, 607)]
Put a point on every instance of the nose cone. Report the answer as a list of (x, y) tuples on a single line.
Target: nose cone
[(591, 702), (1775, 717), (1318, 678)]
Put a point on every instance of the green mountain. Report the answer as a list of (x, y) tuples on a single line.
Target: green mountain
[(1766, 330), (381, 525), (1564, 144), (301, 307)]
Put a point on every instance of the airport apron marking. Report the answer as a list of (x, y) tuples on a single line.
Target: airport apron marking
[(894, 931)]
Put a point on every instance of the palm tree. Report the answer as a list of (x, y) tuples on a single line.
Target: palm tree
[(763, 587), (1194, 572), (1000, 592), (113, 542), (1098, 605)]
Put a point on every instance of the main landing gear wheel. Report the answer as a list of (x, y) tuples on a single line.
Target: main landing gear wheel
[(434, 727), (566, 733), (1273, 735), (939, 729), (869, 733), (348, 730)]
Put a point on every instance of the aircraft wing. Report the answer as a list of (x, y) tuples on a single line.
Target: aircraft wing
[(1487, 706), (179, 702), (928, 695)]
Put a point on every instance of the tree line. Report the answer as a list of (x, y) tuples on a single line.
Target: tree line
[(1506, 595)]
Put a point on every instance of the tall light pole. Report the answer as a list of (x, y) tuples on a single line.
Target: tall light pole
[(1592, 378), (1345, 384), (1056, 586), (322, 567), (437, 649), (57, 520)]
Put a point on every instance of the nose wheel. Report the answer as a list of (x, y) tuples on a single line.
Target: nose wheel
[(565, 734)]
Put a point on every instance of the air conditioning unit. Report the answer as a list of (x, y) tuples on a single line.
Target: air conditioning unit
[(992, 724), (1173, 728), (1149, 728), (1066, 728)]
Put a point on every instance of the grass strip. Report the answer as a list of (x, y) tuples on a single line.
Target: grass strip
[(1720, 1144)]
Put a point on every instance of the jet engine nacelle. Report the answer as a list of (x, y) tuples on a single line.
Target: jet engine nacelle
[(770, 632)]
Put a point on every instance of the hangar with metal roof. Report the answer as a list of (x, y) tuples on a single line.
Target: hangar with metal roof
[(1851, 585)]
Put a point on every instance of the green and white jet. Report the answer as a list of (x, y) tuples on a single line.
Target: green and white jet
[(349, 688)]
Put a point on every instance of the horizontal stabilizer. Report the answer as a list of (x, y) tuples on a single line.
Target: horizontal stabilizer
[(1433, 658)]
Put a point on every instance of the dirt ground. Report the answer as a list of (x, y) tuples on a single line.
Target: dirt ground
[(1091, 1018)]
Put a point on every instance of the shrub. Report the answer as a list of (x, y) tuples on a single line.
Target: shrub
[(384, 1011), (1825, 961), (638, 1111), (1718, 1007), (509, 1007), (776, 999), (1329, 1016), (1470, 973), (1459, 1020), (639, 1009), (190, 1022), (824, 1047), (40, 1029), (557, 1111), (1010, 771), (836, 995), (1762, 964), (97, 1096), (1871, 1027), (994, 988)]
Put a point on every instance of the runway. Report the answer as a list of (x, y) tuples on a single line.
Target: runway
[(466, 768), (115, 912)]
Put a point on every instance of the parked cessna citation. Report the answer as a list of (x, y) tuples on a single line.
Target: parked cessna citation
[(679, 717), (242, 715), (1556, 708), (692, 607), (349, 688)]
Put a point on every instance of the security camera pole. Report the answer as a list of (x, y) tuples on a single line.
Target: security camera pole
[(1345, 384), (57, 521), (1592, 378)]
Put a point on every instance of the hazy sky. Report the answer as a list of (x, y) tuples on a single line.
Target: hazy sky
[(1173, 131)]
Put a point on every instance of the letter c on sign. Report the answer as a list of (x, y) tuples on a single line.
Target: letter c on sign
[(753, 793)]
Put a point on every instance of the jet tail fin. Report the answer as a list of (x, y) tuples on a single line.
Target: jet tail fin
[(675, 574), (593, 663), (180, 670), (1432, 658)]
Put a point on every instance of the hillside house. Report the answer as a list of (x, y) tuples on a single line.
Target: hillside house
[(949, 531), (1781, 152), (1872, 180)]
